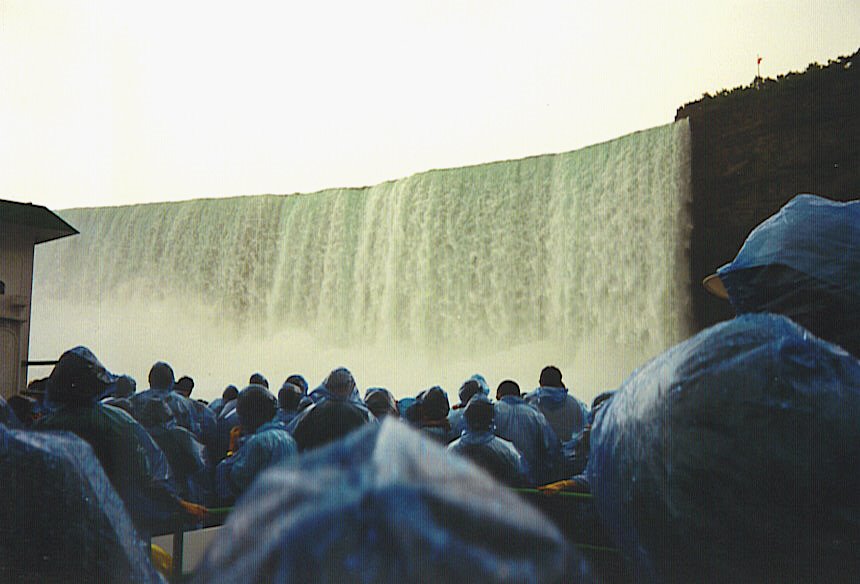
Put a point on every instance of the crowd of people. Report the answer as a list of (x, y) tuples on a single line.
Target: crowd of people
[(169, 455), (166, 452)]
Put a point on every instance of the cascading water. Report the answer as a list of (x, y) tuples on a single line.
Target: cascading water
[(576, 259)]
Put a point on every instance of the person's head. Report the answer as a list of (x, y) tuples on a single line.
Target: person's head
[(327, 421), (78, 378), (479, 414), (434, 404), (184, 385), (258, 379), (507, 388), (300, 381), (289, 397), (125, 386), (550, 376), (469, 388), (482, 383), (255, 405), (340, 383), (161, 376), (231, 392), (381, 403)]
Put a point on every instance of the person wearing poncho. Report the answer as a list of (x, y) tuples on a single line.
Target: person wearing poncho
[(289, 398), (469, 388), (566, 415), (61, 520), (733, 455), (528, 430), (337, 410), (266, 443), (804, 263), (497, 456), (130, 458)]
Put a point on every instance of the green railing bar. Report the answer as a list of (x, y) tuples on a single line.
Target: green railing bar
[(219, 510), (559, 494)]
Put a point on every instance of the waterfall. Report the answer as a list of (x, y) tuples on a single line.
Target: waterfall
[(577, 259)]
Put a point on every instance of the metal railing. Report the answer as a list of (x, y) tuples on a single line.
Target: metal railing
[(214, 518), (564, 508), (39, 363)]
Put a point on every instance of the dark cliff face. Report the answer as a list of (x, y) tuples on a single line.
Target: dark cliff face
[(755, 148)]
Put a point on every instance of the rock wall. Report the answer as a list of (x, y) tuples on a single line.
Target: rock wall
[(754, 148)]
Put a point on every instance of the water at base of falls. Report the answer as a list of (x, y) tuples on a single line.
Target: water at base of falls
[(576, 259)]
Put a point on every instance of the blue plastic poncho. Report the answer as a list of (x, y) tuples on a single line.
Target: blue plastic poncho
[(60, 518), (380, 402), (184, 414), (228, 407), (465, 393), (131, 459), (187, 413), (457, 421), (184, 453), (337, 409), (205, 425), (533, 437), (133, 462), (124, 386), (496, 455), (327, 421), (403, 406), (285, 416), (566, 414), (385, 505), (803, 262), (79, 377), (270, 444), (482, 383), (228, 420), (433, 409), (299, 381), (215, 405), (733, 457), (338, 384)]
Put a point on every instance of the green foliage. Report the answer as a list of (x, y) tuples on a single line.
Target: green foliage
[(784, 82)]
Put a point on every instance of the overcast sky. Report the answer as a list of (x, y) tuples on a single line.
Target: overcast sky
[(116, 102)]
